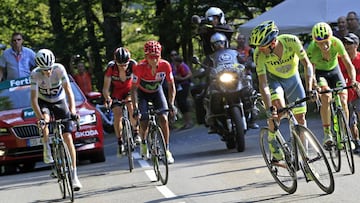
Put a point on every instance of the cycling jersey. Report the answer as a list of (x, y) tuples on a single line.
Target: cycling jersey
[(50, 89), (150, 82), (336, 49), (287, 65), (352, 95), (120, 89)]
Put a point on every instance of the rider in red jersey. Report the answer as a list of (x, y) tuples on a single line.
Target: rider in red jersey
[(148, 77)]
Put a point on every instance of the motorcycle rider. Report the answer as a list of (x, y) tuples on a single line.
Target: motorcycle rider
[(224, 57)]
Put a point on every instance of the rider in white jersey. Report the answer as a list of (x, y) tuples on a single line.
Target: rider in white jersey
[(51, 94)]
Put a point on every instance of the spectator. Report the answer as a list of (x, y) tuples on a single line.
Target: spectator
[(182, 75), (353, 23), (342, 29), (243, 48), (351, 43), (17, 61), (81, 76)]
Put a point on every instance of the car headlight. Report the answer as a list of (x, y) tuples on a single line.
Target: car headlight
[(226, 77), (87, 119), (4, 131)]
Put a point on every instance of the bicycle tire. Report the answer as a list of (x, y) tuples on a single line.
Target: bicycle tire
[(334, 150), (67, 170), (129, 143), (284, 174), (159, 156), (314, 159), (346, 140)]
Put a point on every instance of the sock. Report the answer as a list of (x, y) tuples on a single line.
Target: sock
[(119, 141), (75, 173), (326, 129)]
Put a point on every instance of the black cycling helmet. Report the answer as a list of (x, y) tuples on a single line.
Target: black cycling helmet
[(122, 55)]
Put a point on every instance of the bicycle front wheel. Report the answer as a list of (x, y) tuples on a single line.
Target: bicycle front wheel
[(346, 140), (159, 156), (58, 168), (67, 170), (283, 171), (314, 160), (129, 143)]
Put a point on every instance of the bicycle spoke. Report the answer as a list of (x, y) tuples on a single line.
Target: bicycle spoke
[(315, 163), (283, 173)]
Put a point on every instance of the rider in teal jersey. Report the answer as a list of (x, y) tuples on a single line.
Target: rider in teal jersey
[(277, 58), (323, 52)]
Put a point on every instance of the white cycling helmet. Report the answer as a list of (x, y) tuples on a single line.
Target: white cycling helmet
[(214, 11), (44, 58), (218, 40)]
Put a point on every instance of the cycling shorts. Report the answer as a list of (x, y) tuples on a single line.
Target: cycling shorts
[(157, 98), (59, 110), (291, 89), (332, 79)]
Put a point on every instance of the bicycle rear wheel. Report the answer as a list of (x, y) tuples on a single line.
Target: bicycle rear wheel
[(314, 159), (159, 156), (334, 151), (129, 143), (67, 170), (283, 172), (346, 140)]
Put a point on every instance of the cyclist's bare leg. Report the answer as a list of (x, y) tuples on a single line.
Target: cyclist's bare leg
[(164, 124), (325, 107), (69, 142), (46, 129), (133, 121), (143, 129), (117, 121), (344, 99)]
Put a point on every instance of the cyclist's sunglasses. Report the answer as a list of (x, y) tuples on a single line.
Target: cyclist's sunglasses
[(322, 38)]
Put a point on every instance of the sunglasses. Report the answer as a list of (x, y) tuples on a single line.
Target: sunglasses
[(121, 64), (46, 69), (219, 43), (14, 40), (322, 38), (348, 43), (263, 48)]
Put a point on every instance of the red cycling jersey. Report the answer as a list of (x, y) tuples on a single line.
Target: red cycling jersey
[(148, 82), (120, 89)]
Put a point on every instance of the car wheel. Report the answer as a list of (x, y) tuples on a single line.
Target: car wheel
[(98, 157)]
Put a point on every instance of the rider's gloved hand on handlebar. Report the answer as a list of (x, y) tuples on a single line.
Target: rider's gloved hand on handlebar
[(74, 117), (313, 95)]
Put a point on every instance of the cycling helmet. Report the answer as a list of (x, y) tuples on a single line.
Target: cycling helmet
[(44, 58), (264, 33), (214, 11), (321, 31), (152, 47), (218, 40), (122, 55)]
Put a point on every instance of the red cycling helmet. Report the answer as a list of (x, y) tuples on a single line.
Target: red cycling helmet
[(153, 48)]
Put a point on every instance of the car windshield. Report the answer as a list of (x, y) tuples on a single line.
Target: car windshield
[(19, 97)]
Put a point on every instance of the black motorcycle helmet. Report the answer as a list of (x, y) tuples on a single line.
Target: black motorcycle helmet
[(122, 55)]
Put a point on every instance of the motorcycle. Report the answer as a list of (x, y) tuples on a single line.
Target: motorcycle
[(235, 97)]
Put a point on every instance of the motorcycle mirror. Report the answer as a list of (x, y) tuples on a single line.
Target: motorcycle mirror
[(195, 60)]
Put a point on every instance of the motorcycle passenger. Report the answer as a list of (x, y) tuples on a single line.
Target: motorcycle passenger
[(148, 77), (118, 76), (277, 59), (220, 45)]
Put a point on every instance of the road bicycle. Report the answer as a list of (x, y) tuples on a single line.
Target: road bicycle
[(62, 166), (157, 147), (127, 132), (342, 137), (301, 150)]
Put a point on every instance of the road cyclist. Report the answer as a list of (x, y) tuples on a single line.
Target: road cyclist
[(118, 78), (323, 52), (148, 77), (51, 93)]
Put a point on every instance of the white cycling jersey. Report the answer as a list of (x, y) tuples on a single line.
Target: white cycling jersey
[(50, 89)]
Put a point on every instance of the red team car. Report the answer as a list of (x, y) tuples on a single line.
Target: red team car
[(20, 143)]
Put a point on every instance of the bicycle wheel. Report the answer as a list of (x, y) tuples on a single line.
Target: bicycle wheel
[(67, 170), (58, 169), (159, 156), (128, 142), (283, 172), (346, 140), (334, 151), (314, 160)]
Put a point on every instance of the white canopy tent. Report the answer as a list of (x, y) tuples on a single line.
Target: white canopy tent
[(296, 17)]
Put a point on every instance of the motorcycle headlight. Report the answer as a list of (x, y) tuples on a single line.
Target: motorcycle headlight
[(226, 78)]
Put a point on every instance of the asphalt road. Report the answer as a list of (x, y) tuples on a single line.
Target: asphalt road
[(204, 171)]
